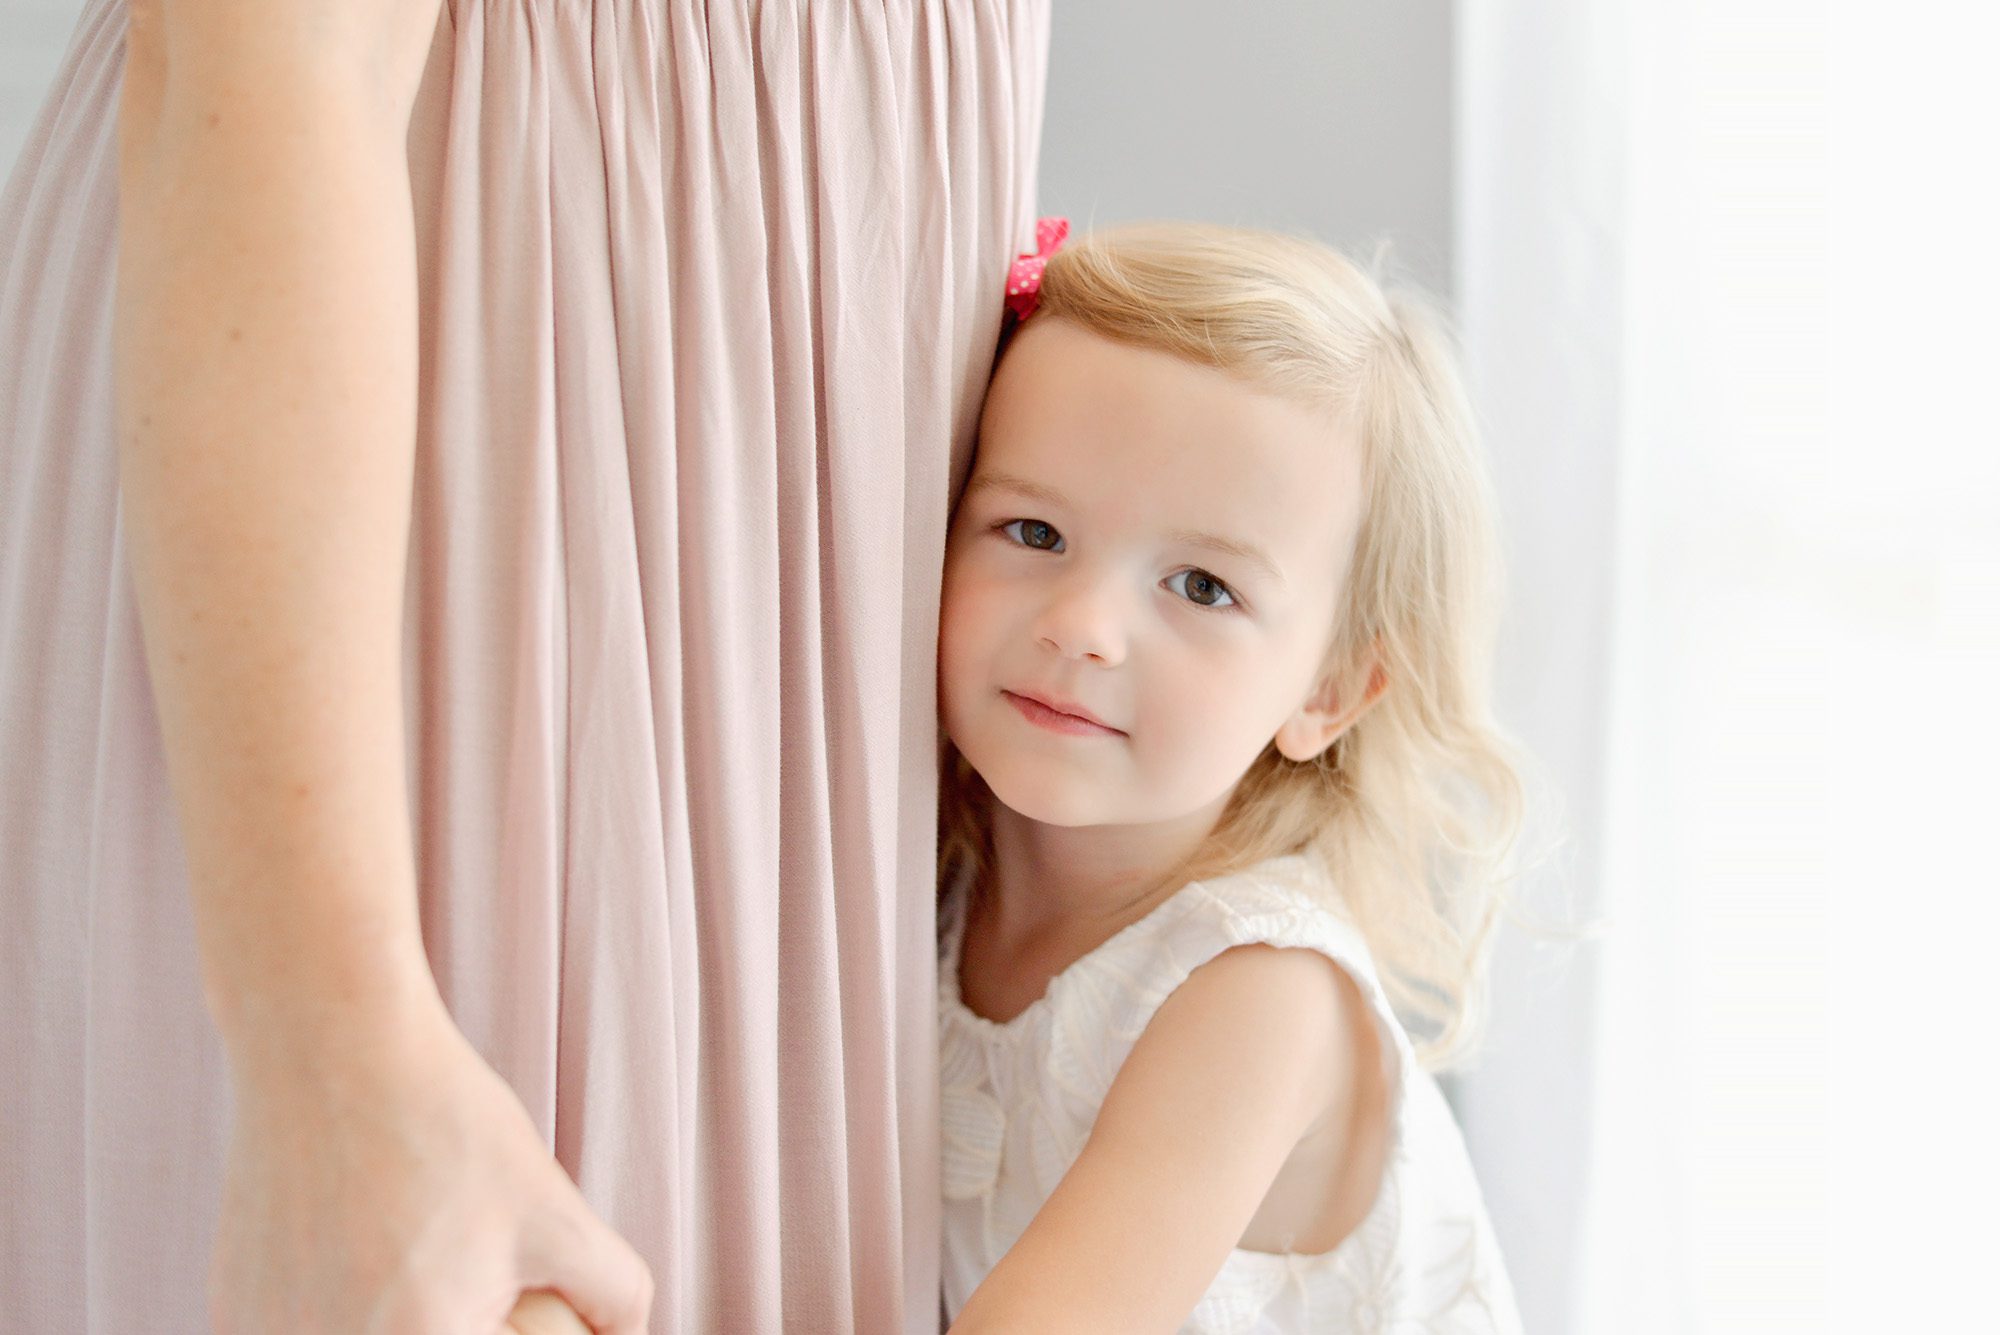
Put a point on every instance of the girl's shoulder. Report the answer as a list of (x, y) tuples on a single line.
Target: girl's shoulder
[(1282, 900), (1287, 902), (1091, 1014)]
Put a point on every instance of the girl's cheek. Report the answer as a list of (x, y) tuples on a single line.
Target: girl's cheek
[(979, 590), (967, 614)]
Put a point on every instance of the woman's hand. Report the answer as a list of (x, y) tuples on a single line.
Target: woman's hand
[(388, 1181)]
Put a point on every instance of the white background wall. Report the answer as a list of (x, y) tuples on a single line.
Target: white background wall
[(33, 34), (1332, 116)]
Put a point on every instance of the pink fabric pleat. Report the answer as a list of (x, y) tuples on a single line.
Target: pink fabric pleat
[(709, 293)]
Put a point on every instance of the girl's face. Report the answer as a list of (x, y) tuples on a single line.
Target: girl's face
[(1154, 543)]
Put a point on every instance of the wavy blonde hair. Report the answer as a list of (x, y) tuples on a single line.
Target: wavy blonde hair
[(1415, 807)]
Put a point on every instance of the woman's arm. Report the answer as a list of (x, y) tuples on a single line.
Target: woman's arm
[(1234, 1067), (380, 1175), (265, 368)]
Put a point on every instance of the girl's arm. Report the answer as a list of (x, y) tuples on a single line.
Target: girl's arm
[(380, 1175), (1235, 1066)]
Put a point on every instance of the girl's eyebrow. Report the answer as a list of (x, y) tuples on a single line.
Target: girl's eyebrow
[(1036, 491), (1231, 547)]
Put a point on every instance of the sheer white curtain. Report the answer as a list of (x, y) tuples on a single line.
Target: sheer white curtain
[(1727, 282)]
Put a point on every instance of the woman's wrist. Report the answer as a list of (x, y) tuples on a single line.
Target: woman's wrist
[(278, 1009)]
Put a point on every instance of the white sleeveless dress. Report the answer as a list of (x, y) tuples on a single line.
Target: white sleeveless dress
[(1019, 1100)]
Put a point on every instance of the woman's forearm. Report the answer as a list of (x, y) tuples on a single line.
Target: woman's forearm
[(266, 414)]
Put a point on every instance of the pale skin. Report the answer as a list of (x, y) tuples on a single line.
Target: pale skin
[(1252, 1111), (265, 381)]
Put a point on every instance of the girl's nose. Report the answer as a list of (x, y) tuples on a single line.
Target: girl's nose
[(1084, 618)]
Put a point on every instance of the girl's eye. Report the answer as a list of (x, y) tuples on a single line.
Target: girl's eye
[(1034, 533), (1204, 589)]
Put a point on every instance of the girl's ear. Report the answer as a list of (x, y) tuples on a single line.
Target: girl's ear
[(1322, 718)]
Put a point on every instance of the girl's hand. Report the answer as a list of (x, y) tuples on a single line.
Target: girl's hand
[(388, 1181), (544, 1314)]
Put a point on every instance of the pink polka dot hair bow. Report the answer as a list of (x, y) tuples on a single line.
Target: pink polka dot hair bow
[(1024, 279)]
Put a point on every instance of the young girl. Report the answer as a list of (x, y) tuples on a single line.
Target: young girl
[(1223, 800)]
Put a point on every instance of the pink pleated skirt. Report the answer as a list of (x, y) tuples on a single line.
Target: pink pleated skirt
[(708, 297)]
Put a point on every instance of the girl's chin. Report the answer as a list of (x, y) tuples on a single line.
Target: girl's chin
[(1046, 799)]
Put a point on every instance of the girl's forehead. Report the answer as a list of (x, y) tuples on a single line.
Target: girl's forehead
[(1150, 440)]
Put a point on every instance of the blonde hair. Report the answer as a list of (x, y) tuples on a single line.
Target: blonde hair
[(1415, 807)]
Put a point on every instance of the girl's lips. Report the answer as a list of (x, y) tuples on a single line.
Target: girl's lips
[(1055, 720)]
